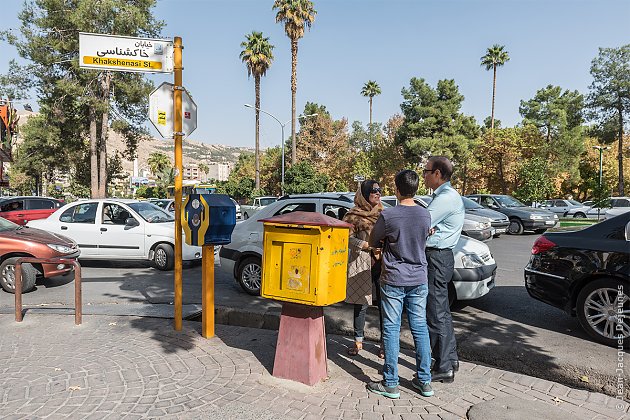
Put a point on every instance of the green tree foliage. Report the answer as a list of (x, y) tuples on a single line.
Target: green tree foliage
[(495, 57), (145, 191), (158, 162), (324, 143), (82, 103), (302, 178), (297, 15), (434, 124), (558, 116), (257, 54), (534, 182), (240, 183), (609, 96), (370, 90)]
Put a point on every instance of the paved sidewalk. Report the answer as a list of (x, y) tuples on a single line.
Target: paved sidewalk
[(131, 367)]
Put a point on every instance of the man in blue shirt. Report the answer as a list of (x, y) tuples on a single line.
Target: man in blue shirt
[(402, 231), (447, 219)]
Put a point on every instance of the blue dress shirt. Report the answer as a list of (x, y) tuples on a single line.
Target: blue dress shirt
[(447, 217)]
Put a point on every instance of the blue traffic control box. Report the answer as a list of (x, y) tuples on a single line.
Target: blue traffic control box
[(208, 219)]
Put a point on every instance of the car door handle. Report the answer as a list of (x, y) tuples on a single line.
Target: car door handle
[(20, 215), (64, 227), (103, 229)]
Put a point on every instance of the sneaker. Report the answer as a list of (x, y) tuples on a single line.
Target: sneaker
[(424, 387), (380, 389)]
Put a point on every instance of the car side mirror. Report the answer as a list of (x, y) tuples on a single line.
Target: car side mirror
[(493, 206), (131, 222)]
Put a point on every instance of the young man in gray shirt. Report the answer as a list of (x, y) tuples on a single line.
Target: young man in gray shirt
[(401, 232)]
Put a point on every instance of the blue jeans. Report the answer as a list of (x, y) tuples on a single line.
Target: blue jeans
[(414, 300)]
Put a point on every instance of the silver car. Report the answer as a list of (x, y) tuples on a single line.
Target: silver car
[(561, 207), (475, 268)]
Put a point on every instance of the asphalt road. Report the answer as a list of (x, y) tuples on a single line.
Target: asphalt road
[(505, 328)]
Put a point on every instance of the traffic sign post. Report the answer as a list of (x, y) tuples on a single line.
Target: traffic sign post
[(177, 135)]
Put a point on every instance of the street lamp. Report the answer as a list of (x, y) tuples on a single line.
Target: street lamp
[(282, 130), (601, 151)]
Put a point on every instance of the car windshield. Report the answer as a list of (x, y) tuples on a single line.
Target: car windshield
[(575, 203), (6, 226), (469, 204), (161, 203), (508, 201), (151, 213), (267, 201)]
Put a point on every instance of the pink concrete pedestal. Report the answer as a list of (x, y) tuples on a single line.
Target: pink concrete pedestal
[(301, 349)]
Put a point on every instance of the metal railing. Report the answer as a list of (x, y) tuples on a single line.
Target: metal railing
[(56, 261)]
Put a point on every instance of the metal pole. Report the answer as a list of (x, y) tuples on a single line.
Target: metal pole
[(78, 301), (17, 283), (601, 151), (177, 135), (282, 182), (207, 291)]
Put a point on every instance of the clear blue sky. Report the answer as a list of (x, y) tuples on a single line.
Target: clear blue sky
[(390, 41)]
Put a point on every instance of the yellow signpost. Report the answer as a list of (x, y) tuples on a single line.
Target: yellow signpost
[(177, 135)]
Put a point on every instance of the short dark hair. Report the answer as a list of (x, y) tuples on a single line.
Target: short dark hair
[(407, 183), (366, 188), (444, 165)]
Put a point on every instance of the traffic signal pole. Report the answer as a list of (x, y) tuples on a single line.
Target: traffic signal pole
[(177, 136)]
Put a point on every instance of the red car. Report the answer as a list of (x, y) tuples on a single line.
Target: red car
[(22, 209), (20, 241)]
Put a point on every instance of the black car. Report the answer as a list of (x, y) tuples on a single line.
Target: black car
[(521, 216), (586, 273)]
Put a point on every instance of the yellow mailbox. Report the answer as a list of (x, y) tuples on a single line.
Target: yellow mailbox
[(305, 258)]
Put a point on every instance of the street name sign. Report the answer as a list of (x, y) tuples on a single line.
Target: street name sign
[(161, 112), (125, 53)]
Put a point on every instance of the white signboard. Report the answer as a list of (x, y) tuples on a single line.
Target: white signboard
[(124, 53), (359, 178), (161, 111)]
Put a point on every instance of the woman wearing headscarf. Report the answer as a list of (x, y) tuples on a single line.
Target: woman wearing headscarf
[(363, 262)]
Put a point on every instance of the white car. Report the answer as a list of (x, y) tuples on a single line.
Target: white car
[(118, 229), (475, 268)]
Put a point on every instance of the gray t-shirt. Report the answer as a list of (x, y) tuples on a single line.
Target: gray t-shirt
[(403, 230)]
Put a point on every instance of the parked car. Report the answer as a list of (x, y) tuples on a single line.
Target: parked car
[(119, 229), (499, 221), (239, 215), (586, 273), (475, 268), (521, 216), (560, 207), (19, 241), (610, 213), (20, 210), (598, 212), (167, 204), (258, 203)]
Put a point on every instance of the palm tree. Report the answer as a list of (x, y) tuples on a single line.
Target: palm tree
[(204, 168), (296, 15), (257, 56), (158, 162), (495, 57), (370, 90)]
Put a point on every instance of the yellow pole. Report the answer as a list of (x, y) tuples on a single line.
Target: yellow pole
[(207, 291), (177, 135)]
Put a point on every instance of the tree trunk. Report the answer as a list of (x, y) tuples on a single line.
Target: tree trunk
[(257, 150), (370, 111), (93, 155), (102, 167), (620, 187), (294, 52), (494, 89)]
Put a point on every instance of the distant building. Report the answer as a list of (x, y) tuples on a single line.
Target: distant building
[(191, 171), (219, 171)]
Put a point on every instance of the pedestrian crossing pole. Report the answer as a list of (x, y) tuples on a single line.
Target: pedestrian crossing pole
[(177, 136)]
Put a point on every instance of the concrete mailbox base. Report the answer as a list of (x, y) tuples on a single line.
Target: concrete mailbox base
[(301, 349)]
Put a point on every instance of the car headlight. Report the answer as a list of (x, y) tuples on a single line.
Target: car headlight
[(472, 261), (535, 217), (555, 216), (62, 249)]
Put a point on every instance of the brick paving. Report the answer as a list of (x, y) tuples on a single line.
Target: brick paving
[(136, 368)]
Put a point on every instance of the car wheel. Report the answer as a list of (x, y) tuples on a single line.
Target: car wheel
[(250, 275), (516, 227), (579, 216), (540, 231), (602, 308), (7, 275), (245, 216), (164, 257)]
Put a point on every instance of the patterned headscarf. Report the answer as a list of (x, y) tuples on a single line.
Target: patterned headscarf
[(363, 216)]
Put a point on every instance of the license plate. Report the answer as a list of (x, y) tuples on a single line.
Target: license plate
[(493, 232), (550, 222), (499, 230)]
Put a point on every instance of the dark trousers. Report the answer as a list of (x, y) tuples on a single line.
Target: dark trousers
[(443, 345), (360, 310)]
